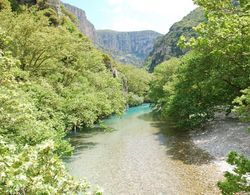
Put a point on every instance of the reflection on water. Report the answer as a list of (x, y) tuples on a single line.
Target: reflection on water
[(143, 156), (79, 141), (178, 142), (180, 145)]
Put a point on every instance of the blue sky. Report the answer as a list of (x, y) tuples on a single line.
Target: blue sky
[(132, 15)]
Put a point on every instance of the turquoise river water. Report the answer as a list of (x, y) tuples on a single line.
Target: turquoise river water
[(143, 156)]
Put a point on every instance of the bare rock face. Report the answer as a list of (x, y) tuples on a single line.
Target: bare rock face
[(83, 23), (127, 47), (167, 46), (56, 4)]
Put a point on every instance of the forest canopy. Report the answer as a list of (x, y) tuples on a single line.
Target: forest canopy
[(213, 77), (216, 71), (52, 80)]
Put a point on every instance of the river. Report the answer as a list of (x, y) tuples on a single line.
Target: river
[(145, 156)]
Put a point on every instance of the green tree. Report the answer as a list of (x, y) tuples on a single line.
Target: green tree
[(137, 83), (35, 170), (225, 39), (163, 83), (214, 76), (5, 4), (52, 80), (243, 105), (238, 180)]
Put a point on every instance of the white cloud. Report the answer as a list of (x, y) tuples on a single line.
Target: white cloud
[(157, 15)]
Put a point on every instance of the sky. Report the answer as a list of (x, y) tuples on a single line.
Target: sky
[(134, 15)]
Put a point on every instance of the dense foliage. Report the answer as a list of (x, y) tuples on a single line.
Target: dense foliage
[(162, 85), (238, 180), (52, 80), (166, 47), (213, 77), (57, 73), (35, 170), (136, 83), (243, 105)]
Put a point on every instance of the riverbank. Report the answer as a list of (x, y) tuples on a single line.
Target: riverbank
[(146, 156), (221, 136)]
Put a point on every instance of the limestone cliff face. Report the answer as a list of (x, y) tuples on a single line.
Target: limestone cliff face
[(127, 47), (56, 4), (84, 25), (166, 46)]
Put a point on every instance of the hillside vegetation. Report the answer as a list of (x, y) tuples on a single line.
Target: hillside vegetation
[(125, 47), (212, 77), (167, 47), (52, 81)]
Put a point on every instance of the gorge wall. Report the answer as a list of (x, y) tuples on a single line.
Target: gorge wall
[(84, 25), (127, 47), (136, 48), (167, 45)]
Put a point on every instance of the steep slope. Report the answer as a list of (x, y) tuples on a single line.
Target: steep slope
[(127, 47), (166, 46), (84, 25)]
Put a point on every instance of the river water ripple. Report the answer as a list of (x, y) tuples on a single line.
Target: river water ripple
[(144, 156)]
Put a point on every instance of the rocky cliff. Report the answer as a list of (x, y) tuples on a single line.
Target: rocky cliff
[(166, 46), (84, 25), (56, 4), (127, 47)]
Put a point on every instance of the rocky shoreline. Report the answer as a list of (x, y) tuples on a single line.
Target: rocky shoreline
[(221, 136)]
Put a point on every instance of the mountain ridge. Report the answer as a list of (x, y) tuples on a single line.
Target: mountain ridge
[(167, 46), (130, 47)]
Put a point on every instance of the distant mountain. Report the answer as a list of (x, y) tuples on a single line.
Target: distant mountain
[(138, 47), (84, 25), (166, 46), (127, 47)]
